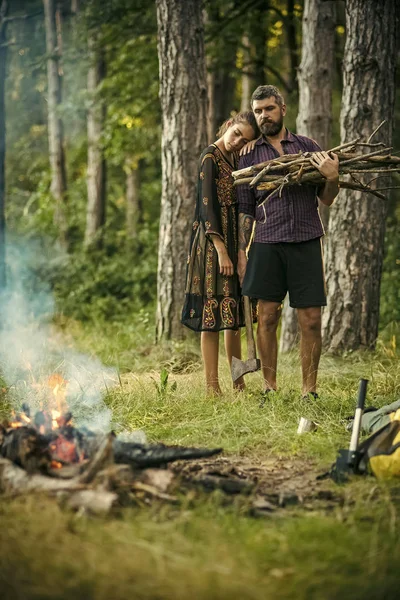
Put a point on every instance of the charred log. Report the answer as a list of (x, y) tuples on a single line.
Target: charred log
[(26, 448), (138, 455)]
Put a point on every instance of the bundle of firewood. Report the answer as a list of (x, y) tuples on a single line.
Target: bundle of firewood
[(296, 169)]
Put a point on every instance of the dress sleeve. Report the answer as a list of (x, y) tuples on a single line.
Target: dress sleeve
[(209, 206)]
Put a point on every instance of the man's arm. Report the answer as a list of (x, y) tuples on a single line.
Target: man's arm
[(247, 211), (328, 166), (245, 228)]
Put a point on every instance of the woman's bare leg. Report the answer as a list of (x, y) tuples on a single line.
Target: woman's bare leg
[(233, 347), (209, 351)]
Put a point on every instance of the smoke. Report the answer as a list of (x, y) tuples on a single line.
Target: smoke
[(31, 349)]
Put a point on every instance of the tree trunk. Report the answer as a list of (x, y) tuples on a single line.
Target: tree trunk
[(211, 114), (58, 186), (133, 203), (247, 81), (224, 91), (220, 61), (315, 76), (258, 36), (96, 169), (183, 95), (292, 40), (357, 223), (3, 62)]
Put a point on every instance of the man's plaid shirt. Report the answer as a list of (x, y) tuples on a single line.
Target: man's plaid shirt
[(294, 216)]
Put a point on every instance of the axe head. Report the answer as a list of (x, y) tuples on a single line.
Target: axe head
[(346, 464), (242, 367)]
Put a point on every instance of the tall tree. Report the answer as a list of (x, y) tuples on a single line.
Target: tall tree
[(357, 222), (58, 186), (221, 60), (3, 59), (134, 214), (183, 94), (315, 78), (292, 40), (96, 169)]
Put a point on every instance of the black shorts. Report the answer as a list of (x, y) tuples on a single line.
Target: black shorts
[(297, 268)]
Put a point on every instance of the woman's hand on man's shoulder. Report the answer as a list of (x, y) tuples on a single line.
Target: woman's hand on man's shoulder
[(248, 147)]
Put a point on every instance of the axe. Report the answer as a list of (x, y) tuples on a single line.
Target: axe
[(348, 460), (252, 364)]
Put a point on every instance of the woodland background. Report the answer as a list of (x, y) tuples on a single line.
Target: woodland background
[(83, 144), (104, 109)]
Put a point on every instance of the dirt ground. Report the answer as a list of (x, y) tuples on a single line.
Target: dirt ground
[(273, 484)]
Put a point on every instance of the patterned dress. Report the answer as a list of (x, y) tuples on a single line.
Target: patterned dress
[(212, 301)]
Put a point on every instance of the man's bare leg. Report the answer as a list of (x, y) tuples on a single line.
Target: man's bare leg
[(310, 345), (268, 318), (233, 347), (209, 351)]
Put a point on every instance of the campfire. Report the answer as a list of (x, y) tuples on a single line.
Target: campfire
[(44, 450), (46, 440)]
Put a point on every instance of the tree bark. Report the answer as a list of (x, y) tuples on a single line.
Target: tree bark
[(183, 95), (97, 168), (247, 81), (3, 63), (357, 222), (58, 185), (221, 61), (133, 203), (224, 91), (292, 42), (315, 76), (211, 114)]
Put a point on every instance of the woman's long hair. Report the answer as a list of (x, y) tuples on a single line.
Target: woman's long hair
[(246, 116)]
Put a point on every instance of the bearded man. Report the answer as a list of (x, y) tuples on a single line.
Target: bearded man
[(285, 255)]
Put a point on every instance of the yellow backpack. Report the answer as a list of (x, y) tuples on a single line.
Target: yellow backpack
[(381, 451)]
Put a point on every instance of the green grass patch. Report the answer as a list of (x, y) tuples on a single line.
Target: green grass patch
[(208, 548)]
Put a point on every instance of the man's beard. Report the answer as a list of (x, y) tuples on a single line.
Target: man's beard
[(271, 129)]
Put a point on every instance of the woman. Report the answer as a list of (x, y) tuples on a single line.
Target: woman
[(213, 299)]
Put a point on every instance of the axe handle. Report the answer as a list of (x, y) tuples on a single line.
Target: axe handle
[(248, 318), (362, 393)]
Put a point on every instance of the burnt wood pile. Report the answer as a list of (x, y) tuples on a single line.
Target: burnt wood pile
[(95, 471)]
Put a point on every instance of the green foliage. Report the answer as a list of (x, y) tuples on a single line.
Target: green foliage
[(127, 33), (390, 283), (163, 389), (207, 546), (105, 284)]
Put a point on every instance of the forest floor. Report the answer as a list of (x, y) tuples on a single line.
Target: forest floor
[(291, 536)]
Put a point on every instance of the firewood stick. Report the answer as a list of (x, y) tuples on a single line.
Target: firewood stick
[(258, 177), (288, 161), (346, 145), (102, 456), (316, 179), (15, 481), (152, 491), (375, 131), (366, 156)]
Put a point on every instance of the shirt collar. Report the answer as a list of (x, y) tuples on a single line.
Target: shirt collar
[(289, 138)]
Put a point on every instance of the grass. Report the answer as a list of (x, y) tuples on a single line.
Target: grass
[(206, 548)]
